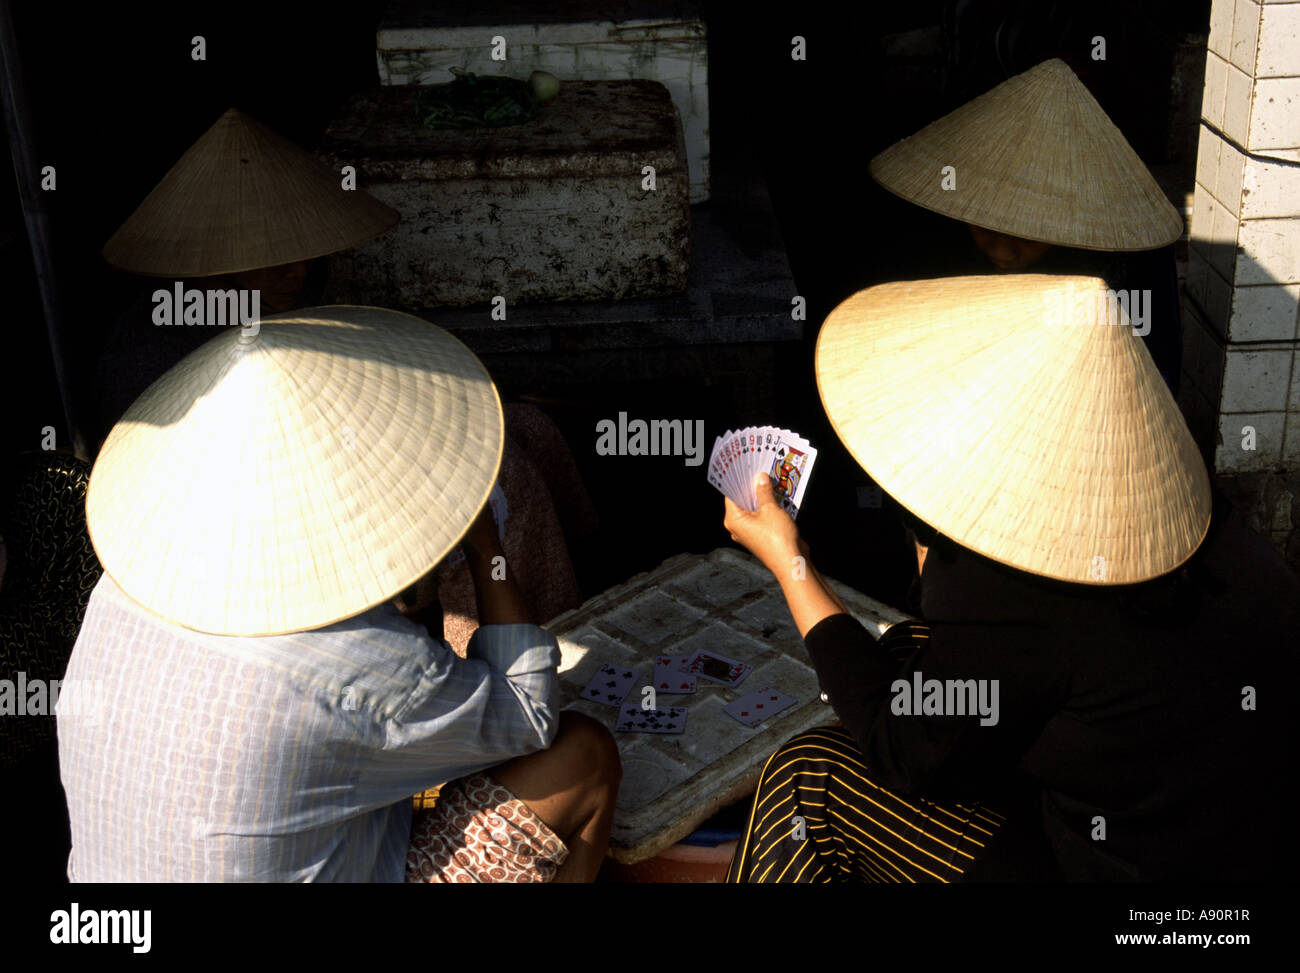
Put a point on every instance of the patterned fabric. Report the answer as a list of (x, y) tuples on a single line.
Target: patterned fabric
[(194, 757), (547, 505), (852, 830), (480, 832), (50, 571)]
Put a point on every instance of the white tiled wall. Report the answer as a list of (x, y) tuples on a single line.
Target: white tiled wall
[(1279, 41), (1242, 312), (1256, 380), (1232, 457), (1264, 313)]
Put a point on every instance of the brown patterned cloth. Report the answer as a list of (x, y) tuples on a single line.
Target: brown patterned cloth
[(480, 832), (547, 505)]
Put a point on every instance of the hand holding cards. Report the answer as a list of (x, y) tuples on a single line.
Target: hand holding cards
[(784, 456)]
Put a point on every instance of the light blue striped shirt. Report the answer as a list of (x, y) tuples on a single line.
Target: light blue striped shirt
[(189, 757)]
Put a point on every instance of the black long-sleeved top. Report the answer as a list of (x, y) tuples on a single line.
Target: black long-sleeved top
[(1122, 704)]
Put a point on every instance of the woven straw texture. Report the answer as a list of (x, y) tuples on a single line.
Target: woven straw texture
[(1035, 158), (1013, 416), (285, 481), (243, 198)]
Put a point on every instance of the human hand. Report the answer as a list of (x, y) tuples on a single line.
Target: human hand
[(426, 593), (768, 532)]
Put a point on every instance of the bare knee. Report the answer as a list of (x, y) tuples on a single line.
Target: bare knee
[(586, 743)]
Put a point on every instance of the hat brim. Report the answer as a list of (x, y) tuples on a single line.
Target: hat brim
[(296, 478), (1053, 448)]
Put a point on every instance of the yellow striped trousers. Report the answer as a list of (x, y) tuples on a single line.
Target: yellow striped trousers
[(819, 817)]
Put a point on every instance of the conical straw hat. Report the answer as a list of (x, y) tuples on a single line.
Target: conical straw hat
[(1012, 416), (1035, 158), (295, 478), (239, 199)]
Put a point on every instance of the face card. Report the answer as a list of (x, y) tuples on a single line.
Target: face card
[(611, 684), (634, 719), (718, 668), (673, 675), (753, 708), (789, 472)]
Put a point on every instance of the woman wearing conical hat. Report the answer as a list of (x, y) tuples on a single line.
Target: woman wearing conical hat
[(243, 208), (244, 701), (1082, 696), (1046, 183), (246, 210)]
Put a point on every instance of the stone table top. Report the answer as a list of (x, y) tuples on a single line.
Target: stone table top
[(725, 601)]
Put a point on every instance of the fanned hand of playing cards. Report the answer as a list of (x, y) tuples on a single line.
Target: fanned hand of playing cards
[(783, 455)]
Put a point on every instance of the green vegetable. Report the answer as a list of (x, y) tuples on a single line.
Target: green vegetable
[(469, 101), (545, 85)]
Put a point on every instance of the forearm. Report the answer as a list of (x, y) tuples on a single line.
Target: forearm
[(807, 594), (498, 598)]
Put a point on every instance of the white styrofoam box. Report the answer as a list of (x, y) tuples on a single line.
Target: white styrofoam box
[(1264, 312), (1203, 354), (548, 210), (1216, 89), (1236, 105), (1245, 35), (1222, 13), (1270, 252), (1228, 187), (1256, 380), (1279, 42), (419, 41), (1275, 118), (1231, 457)]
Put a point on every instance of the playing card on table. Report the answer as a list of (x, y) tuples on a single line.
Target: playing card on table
[(634, 719), (757, 706), (611, 684), (718, 668), (673, 675)]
